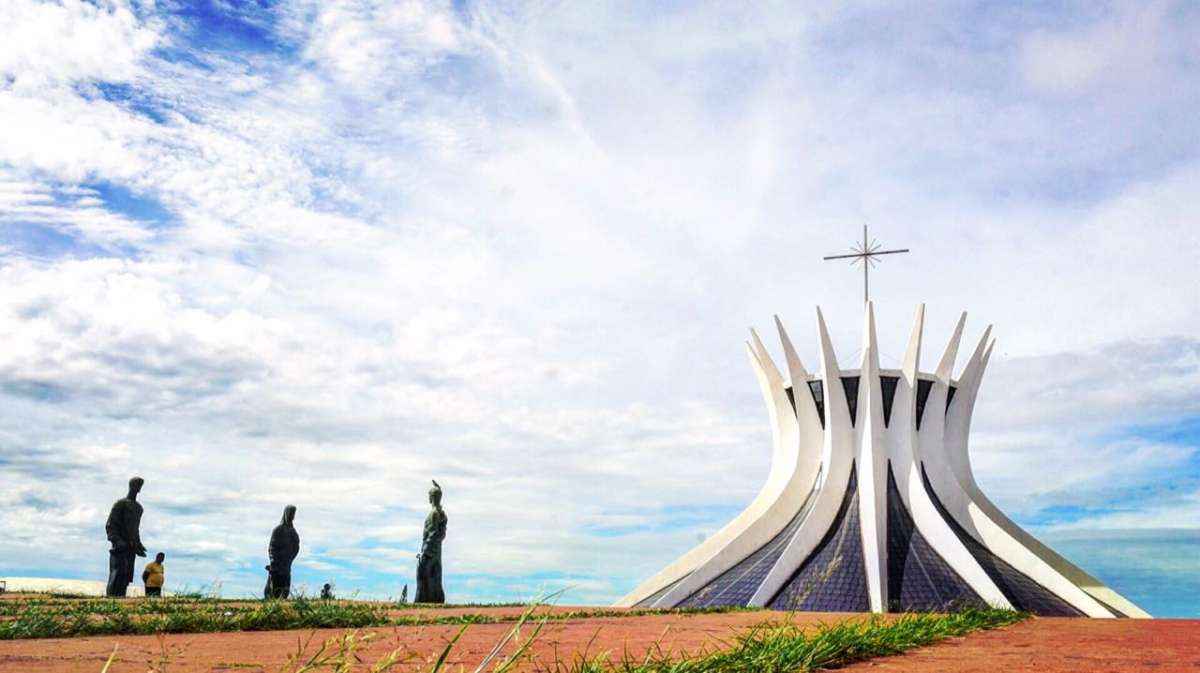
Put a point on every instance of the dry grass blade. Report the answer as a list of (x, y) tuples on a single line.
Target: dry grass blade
[(441, 660), (521, 651), (111, 658)]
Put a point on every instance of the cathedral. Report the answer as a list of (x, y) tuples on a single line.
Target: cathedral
[(871, 504)]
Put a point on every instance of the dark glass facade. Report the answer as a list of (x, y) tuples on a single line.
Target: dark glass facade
[(833, 578), (817, 388), (649, 600), (923, 389), (1020, 590), (919, 579), (850, 383), (887, 385), (737, 585)]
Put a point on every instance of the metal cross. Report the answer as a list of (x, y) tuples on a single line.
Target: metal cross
[(865, 253)]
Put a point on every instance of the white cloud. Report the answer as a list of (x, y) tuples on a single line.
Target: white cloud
[(57, 43), (75, 212), (1179, 512), (1128, 50), (516, 251)]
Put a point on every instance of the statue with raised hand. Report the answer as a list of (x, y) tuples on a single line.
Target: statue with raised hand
[(282, 550), (123, 531), (429, 561)]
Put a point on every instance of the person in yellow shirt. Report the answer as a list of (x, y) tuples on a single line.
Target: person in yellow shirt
[(154, 575)]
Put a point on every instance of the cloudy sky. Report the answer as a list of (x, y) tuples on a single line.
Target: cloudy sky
[(317, 253)]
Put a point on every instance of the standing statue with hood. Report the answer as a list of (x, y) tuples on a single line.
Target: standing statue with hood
[(429, 561), (122, 529), (285, 545)]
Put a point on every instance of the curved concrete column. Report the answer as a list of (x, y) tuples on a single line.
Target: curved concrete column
[(789, 483), (837, 459), (949, 470), (812, 460), (903, 447), (872, 466), (958, 426), (811, 433)]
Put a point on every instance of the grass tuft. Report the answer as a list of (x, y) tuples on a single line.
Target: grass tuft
[(57, 617), (779, 646), (770, 647), (785, 647)]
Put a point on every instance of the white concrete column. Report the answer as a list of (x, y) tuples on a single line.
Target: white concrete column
[(872, 468), (837, 460), (902, 433)]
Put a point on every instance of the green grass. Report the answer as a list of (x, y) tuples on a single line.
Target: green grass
[(770, 647), (784, 647), (66, 618)]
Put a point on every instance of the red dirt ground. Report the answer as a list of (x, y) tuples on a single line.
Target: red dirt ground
[(1041, 645), (268, 651), (1049, 645)]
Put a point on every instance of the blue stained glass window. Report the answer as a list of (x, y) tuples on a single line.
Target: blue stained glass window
[(737, 585), (648, 601), (833, 578), (919, 579), (1020, 590)]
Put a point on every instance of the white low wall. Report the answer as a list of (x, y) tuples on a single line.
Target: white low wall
[(62, 586)]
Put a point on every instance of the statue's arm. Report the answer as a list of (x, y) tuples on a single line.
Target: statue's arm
[(114, 528), (136, 534), (273, 551), (431, 527)]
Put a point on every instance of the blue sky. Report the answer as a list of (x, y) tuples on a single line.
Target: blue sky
[(319, 253)]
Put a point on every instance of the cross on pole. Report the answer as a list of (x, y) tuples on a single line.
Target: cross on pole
[(866, 252)]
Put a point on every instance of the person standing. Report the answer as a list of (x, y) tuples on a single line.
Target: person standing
[(122, 530), (153, 575)]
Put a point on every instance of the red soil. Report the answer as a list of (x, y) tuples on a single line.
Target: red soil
[(269, 650), (1041, 645), (1049, 645)]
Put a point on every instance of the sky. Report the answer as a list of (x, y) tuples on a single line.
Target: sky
[(317, 253)]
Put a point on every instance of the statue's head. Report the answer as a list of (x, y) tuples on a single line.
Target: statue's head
[(435, 495), (289, 514), (160, 557), (135, 485)]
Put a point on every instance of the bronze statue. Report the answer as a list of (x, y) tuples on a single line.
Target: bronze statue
[(285, 545), (122, 529), (429, 561)]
